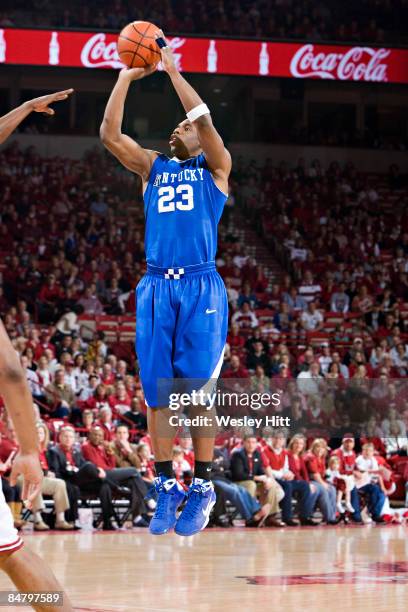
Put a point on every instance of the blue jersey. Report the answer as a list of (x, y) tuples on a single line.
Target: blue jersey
[(183, 206)]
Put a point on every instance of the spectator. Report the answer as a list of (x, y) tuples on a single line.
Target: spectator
[(311, 319), (247, 471), (276, 458), (51, 485), (81, 477), (90, 302), (245, 317), (340, 301), (259, 358), (325, 495), (102, 455), (60, 396)]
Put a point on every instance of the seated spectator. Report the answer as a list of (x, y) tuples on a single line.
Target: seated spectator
[(146, 464), (248, 506), (125, 452), (235, 340), (181, 467), (340, 301), (309, 289), (105, 422), (283, 318), (247, 296), (259, 358), (311, 319), (101, 454), (48, 298), (275, 457), (51, 485), (90, 302), (295, 301), (247, 471), (60, 396), (236, 370), (97, 347), (120, 401), (99, 399), (325, 495), (81, 477), (256, 337), (260, 383), (135, 414), (325, 359), (244, 317), (310, 382)]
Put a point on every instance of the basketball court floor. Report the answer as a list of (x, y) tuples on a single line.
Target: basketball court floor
[(244, 570)]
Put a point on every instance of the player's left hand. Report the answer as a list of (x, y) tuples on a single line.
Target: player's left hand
[(167, 57), (41, 104), (28, 466)]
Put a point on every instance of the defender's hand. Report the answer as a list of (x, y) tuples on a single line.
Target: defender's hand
[(41, 104), (134, 74), (28, 466), (167, 57)]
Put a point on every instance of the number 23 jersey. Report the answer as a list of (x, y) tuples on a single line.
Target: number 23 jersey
[(182, 206)]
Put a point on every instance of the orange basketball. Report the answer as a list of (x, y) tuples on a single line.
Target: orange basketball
[(137, 45)]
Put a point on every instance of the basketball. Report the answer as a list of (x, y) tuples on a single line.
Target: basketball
[(137, 47)]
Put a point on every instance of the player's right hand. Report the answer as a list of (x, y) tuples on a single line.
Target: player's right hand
[(134, 74), (28, 466), (41, 104)]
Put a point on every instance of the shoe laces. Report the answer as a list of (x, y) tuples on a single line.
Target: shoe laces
[(162, 498), (194, 499)]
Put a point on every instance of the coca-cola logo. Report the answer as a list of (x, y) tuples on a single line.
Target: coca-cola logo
[(97, 53), (356, 64)]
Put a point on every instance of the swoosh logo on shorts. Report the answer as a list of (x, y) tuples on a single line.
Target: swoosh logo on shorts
[(208, 311)]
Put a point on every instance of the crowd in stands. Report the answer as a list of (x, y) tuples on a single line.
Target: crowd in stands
[(328, 329), (374, 21)]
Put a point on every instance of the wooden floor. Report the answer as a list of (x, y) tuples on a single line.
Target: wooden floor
[(341, 569)]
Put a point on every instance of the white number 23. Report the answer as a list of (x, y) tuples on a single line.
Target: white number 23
[(167, 197)]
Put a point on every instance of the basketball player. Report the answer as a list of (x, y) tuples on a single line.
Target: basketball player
[(182, 308), (28, 572)]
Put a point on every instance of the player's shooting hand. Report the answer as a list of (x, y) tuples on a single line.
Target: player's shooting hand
[(28, 466), (41, 104), (134, 74), (167, 57)]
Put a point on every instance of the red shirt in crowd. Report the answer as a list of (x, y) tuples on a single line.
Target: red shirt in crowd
[(315, 465), (347, 460), (43, 460), (276, 461), (98, 456), (298, 467)]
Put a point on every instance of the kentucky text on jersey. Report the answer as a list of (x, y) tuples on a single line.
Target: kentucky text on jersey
[(184, 175), (182, 206)]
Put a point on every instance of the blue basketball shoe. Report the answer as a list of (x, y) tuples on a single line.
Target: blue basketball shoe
[(170, 495), (196, 513)]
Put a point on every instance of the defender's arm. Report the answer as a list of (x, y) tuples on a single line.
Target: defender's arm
[(124, 148), (19, 404), (9, 122)]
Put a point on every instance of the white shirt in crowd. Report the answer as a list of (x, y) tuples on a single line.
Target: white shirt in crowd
[(311, 320)]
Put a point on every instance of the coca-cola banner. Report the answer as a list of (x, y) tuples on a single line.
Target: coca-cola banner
[(221, 56)]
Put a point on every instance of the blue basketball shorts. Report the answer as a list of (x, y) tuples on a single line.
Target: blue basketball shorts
[(181, 326)]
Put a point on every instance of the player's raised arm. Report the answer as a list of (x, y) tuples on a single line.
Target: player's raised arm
[(217, 156), (9, 122), (127, 151)]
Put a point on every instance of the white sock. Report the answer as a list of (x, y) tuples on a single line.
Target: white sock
[(60, 517), (37, 517), (137, 518)]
